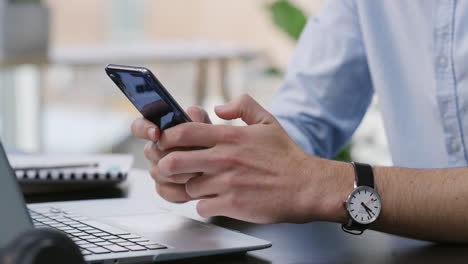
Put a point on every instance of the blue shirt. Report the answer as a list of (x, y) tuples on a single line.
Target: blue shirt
[(412, 54)]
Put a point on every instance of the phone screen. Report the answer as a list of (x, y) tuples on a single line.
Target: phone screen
[(149, 98)]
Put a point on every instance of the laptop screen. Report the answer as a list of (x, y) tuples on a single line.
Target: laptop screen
[(14, 217)]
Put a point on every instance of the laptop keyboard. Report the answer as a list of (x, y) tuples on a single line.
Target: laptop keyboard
[(91, 236)]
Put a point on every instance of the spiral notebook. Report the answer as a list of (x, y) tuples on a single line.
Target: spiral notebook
[(37, 173)]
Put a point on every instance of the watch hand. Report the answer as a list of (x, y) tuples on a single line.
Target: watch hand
[(367, 208)]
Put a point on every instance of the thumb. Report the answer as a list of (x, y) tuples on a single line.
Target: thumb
[(246, 108), (198, 115)]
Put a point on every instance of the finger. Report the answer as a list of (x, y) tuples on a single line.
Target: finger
[(246, 108), (152, 152), (191, 135), (212, 207), (198, 115), (143, 128), (172, 192), (203, 186), (191, 161), (176, 178), (182, 178)]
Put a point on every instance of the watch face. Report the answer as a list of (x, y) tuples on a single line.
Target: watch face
[(363, 205)]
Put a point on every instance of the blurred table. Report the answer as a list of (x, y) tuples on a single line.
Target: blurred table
[(317, 242)]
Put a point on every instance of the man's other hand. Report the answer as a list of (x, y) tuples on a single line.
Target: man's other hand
[(171, 188)]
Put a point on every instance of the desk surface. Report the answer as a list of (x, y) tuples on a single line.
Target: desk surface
[(317, 242)]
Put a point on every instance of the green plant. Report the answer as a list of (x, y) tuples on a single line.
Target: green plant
[(291, 20), (288, 17)]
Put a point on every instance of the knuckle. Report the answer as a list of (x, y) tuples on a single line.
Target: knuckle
[(244, 98), (228, 159), (231, 180), (182, 132), (171, 162), (231, 135), (235, 202)]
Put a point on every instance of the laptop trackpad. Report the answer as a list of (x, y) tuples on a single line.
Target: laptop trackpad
[(151, 223)]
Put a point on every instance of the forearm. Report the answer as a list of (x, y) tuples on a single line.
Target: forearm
[(424, 204)]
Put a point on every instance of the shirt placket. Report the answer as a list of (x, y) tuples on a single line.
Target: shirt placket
[(446, 83)]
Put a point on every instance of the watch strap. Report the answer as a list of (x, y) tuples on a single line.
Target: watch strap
[(363, 174), (354, 227)]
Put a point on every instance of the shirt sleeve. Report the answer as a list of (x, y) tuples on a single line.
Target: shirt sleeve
[(328, 88)]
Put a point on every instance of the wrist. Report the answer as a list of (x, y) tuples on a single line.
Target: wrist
[(330, 183)]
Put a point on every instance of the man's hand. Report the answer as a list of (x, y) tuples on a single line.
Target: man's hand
[(254, 173), (171, 188)]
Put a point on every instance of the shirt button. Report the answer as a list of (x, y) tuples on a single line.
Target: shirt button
[(443, 61)]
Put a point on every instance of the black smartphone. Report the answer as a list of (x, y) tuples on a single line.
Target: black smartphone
[(148, 95)]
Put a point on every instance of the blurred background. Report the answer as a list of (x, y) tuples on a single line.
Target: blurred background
[(56, 98)]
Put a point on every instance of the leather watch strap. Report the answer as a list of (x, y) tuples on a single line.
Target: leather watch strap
[(353, 227), (364, 174)]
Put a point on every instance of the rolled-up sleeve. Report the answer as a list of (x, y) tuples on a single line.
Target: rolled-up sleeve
[(328, 88)]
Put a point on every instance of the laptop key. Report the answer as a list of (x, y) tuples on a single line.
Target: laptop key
[(115, 248), (106, 228), (87, 237), (94, 231), (155, 246), (136, 248), (118, 240), (94, 240), (58, 225), (100, 234), (78, 225), (87, 245), (125, 244), (129, 236), (98, 250), (65, 229), (144, 243), (109, 237), (104, 243), (76, 233), (138, 239), (85, 252)]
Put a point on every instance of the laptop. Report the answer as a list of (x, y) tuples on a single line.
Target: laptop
[(117, 230)]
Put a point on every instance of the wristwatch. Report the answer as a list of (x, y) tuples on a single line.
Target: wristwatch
[(363, 203)]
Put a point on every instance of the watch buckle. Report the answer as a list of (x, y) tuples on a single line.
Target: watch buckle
[(352, 231)]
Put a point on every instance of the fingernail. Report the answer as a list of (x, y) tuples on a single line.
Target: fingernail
[(219, 107), (152, 133)]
